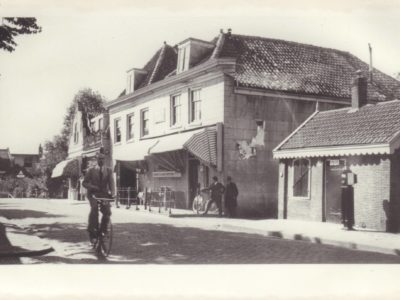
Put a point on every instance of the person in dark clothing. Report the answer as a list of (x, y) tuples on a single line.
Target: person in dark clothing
[(217, 189), (231, 193), (99, 182)]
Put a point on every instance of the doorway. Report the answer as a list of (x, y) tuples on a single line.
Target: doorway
[(333, 192)]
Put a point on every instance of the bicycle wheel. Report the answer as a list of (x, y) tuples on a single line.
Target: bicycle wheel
[(105, 241), (198, 205)]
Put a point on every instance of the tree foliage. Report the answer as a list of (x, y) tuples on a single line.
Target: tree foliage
[(12, 27)]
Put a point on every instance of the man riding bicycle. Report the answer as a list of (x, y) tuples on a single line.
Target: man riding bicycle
[(99, 183)]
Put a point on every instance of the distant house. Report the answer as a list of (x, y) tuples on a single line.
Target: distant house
[(363, 139), (5, 161), (204, 108), (90, 134), (30, 162)]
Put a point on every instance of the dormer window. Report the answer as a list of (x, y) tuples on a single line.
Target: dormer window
[(134, 79), (190, 52), (183, 58)]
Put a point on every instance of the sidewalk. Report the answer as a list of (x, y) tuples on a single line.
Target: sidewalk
[(314, 232)]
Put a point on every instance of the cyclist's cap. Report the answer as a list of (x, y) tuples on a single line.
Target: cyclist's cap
[(100, 155)]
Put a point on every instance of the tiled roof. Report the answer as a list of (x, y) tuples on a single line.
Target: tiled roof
[(300, 68), (282, 66), (371, 124)]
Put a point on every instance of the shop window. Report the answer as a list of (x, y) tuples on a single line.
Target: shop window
[(175, 110), (195, 106), (145, 122), (129, 127), (117, 130), (301, 178)]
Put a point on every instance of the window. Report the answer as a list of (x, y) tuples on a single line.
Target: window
[(183, 59), (145, 122), (117, 131), (28, 162), (76, 133), (101, 124), (195, 105), (129, 127), (301, 178), (175, 110)]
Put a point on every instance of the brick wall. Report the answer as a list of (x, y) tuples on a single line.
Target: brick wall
[(309, 208), (257, 177), (371, 190)]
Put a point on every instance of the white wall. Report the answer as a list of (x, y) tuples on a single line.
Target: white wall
[(212, 94)]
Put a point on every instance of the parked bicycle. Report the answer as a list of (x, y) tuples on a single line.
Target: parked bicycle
[(201, 200), (103, 241)]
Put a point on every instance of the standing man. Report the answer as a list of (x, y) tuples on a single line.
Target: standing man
[(99, 182), (217, 189), (231, 194)]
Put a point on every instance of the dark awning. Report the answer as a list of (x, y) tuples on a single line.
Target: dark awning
[(203, 145)]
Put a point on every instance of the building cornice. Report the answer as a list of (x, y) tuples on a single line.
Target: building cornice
[(203, 68)]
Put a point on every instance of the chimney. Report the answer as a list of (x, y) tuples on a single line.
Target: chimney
[(359, 91)]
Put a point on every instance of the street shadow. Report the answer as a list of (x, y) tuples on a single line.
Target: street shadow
[(6, 248), (25, 213), (144, 243)]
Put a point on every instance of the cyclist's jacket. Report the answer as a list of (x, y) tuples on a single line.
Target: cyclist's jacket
[(99, 181)]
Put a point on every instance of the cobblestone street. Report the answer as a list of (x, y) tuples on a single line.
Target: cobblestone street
[(149, 238)]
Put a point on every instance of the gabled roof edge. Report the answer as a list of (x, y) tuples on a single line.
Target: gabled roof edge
[(296, 130)]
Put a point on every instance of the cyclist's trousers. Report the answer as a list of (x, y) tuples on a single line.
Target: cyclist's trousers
[(94, 215)]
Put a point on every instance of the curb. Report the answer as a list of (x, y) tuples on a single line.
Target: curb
[(317, 240)]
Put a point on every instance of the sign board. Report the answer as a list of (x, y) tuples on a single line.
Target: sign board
[(337, 164), (162, 174)]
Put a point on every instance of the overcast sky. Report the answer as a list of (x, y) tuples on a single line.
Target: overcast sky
[(92, 45)]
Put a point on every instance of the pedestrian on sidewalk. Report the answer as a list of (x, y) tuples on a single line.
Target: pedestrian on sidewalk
[(217, 190), (231, 193), (99, 182)]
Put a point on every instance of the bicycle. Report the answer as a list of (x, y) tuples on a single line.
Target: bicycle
[(103, 241), (200, 202)]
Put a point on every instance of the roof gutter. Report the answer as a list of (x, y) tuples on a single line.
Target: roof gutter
[(347, 150)]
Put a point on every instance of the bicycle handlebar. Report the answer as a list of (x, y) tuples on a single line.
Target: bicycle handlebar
[(104, 199)]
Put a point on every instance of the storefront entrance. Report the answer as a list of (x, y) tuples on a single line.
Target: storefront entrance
[(334, 169)]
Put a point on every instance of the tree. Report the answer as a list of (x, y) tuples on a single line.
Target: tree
[(12, 27), (90, 103)]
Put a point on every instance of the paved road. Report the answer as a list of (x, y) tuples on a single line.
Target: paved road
[(146, 238)]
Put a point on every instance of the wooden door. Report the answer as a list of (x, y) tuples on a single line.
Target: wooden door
[(333, 207)]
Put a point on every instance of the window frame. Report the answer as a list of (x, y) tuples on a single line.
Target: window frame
[(117, 120), (76, 133), (130, 127), (142, 111), (172, 110), (192, 106), (308, 196), (101, 124)]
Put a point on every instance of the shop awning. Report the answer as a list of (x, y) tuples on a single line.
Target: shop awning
[(173, 142), (133, 152), (68, 168), (203, 145)]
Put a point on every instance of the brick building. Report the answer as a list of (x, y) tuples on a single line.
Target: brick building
[(219, 107), (362, 139)]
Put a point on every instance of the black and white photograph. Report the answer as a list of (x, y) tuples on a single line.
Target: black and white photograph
[(200, 150)]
